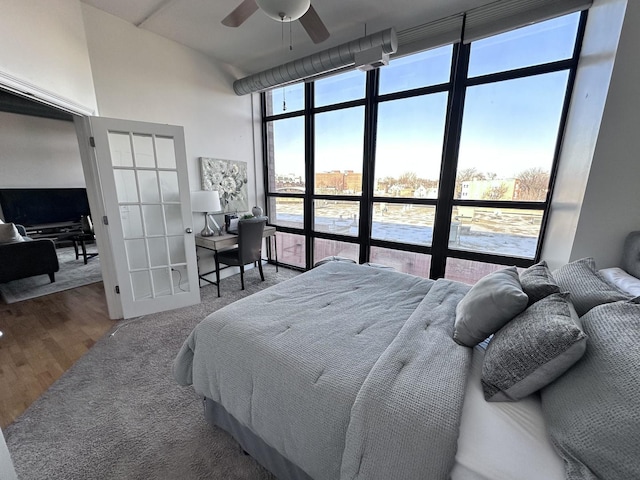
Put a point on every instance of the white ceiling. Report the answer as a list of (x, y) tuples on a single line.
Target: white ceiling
[(257, 44)]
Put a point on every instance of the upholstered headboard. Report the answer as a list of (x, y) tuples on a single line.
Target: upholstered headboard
[(631, 254)]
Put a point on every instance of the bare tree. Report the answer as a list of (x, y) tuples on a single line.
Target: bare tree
[(385, 183), (337, 182), (496, 192), (428, 183), (471, 173), (533, 184), (408, 179)]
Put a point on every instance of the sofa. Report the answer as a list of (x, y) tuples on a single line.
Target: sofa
[(22, 257)]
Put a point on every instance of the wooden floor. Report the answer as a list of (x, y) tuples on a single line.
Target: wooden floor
[(42, 338)]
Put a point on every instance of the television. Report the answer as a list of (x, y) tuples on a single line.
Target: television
[(38, 206)]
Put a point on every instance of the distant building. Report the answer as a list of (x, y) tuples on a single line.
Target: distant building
[(337, 181), (500, 189), (289, 183), (423, 192)]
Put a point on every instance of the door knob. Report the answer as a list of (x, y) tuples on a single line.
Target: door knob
[(189, 230)]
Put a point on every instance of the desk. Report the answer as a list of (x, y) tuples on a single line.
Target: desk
[(228, 240)]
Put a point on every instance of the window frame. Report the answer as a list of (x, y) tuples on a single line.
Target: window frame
[(456, 88)]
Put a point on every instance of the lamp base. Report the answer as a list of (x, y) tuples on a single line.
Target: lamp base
[(217, 227), (207, 231)]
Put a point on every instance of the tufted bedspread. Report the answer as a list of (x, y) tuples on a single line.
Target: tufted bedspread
[(348, 371)]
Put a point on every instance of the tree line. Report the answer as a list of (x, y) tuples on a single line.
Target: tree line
[(531, 184)]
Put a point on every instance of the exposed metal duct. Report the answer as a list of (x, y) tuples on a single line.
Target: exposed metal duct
[(316, 64)]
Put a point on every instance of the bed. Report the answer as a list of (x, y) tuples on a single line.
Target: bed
[(359, 372)]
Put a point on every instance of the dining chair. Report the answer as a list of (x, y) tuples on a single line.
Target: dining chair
[(249, 249)]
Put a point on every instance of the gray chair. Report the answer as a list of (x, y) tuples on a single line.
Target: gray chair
[(249, 248)]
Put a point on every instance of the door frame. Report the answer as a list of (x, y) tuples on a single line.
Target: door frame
[(89, 161), (88, 158)]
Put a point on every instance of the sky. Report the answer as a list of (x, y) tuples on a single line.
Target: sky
[(508, 126)]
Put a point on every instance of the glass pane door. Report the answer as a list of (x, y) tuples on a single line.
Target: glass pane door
[(149, 214)]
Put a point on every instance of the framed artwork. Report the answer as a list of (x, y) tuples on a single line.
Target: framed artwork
[(229, 177)]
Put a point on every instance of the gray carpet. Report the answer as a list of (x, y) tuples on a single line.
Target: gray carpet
[(73, 273), (119, 414)]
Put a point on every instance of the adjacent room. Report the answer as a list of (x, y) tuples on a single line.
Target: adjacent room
[(43, 191), (287, 239)]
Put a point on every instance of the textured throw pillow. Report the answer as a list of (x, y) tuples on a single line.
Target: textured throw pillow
[(9, 233), (490, 304), (537, 282), (593, 410), (586, 286), (532, 350)]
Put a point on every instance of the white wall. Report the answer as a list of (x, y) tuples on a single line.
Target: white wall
[(38, 153), (44, 52), (611, 207), (591, 161), (141, 76)]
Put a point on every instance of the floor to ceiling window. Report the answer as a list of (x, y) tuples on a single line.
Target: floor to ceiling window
[(440, 164)]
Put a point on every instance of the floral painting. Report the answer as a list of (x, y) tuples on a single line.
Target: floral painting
[(229, 177)]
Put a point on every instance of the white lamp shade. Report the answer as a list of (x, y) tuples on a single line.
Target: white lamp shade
[(289, 9), (205, 201)]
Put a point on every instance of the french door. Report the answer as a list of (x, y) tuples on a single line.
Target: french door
[(143, 179)]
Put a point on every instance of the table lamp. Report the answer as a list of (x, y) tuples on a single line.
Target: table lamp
[(206, 201)]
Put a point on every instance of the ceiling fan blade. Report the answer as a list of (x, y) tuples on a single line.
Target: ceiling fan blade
[(314, 26), (240, 14)]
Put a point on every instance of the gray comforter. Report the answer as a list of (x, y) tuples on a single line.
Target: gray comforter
[(348, 371)]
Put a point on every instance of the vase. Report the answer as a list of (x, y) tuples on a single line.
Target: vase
[(257, 211)]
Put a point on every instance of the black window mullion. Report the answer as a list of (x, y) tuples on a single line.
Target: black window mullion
[(309, 149), (339, 106), (449, 167), (523, 72), (497, 204), (474, 256), (370, 129), (265, 154)]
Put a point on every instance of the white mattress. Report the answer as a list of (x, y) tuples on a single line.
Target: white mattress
[(503, 440)]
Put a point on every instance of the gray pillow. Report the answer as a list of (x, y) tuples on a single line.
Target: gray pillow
[(532, 350), (333, 259), (586, 286), (631, 254), (593, 410), (538, 282), (490, 304), (378, 265), (9, 233)]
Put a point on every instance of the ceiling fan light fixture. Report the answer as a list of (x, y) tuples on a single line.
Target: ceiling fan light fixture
[(284, 9)]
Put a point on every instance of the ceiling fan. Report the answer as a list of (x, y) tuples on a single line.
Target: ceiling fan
[(281, 10)]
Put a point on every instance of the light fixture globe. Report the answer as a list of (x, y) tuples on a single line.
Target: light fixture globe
[(284, 9)]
